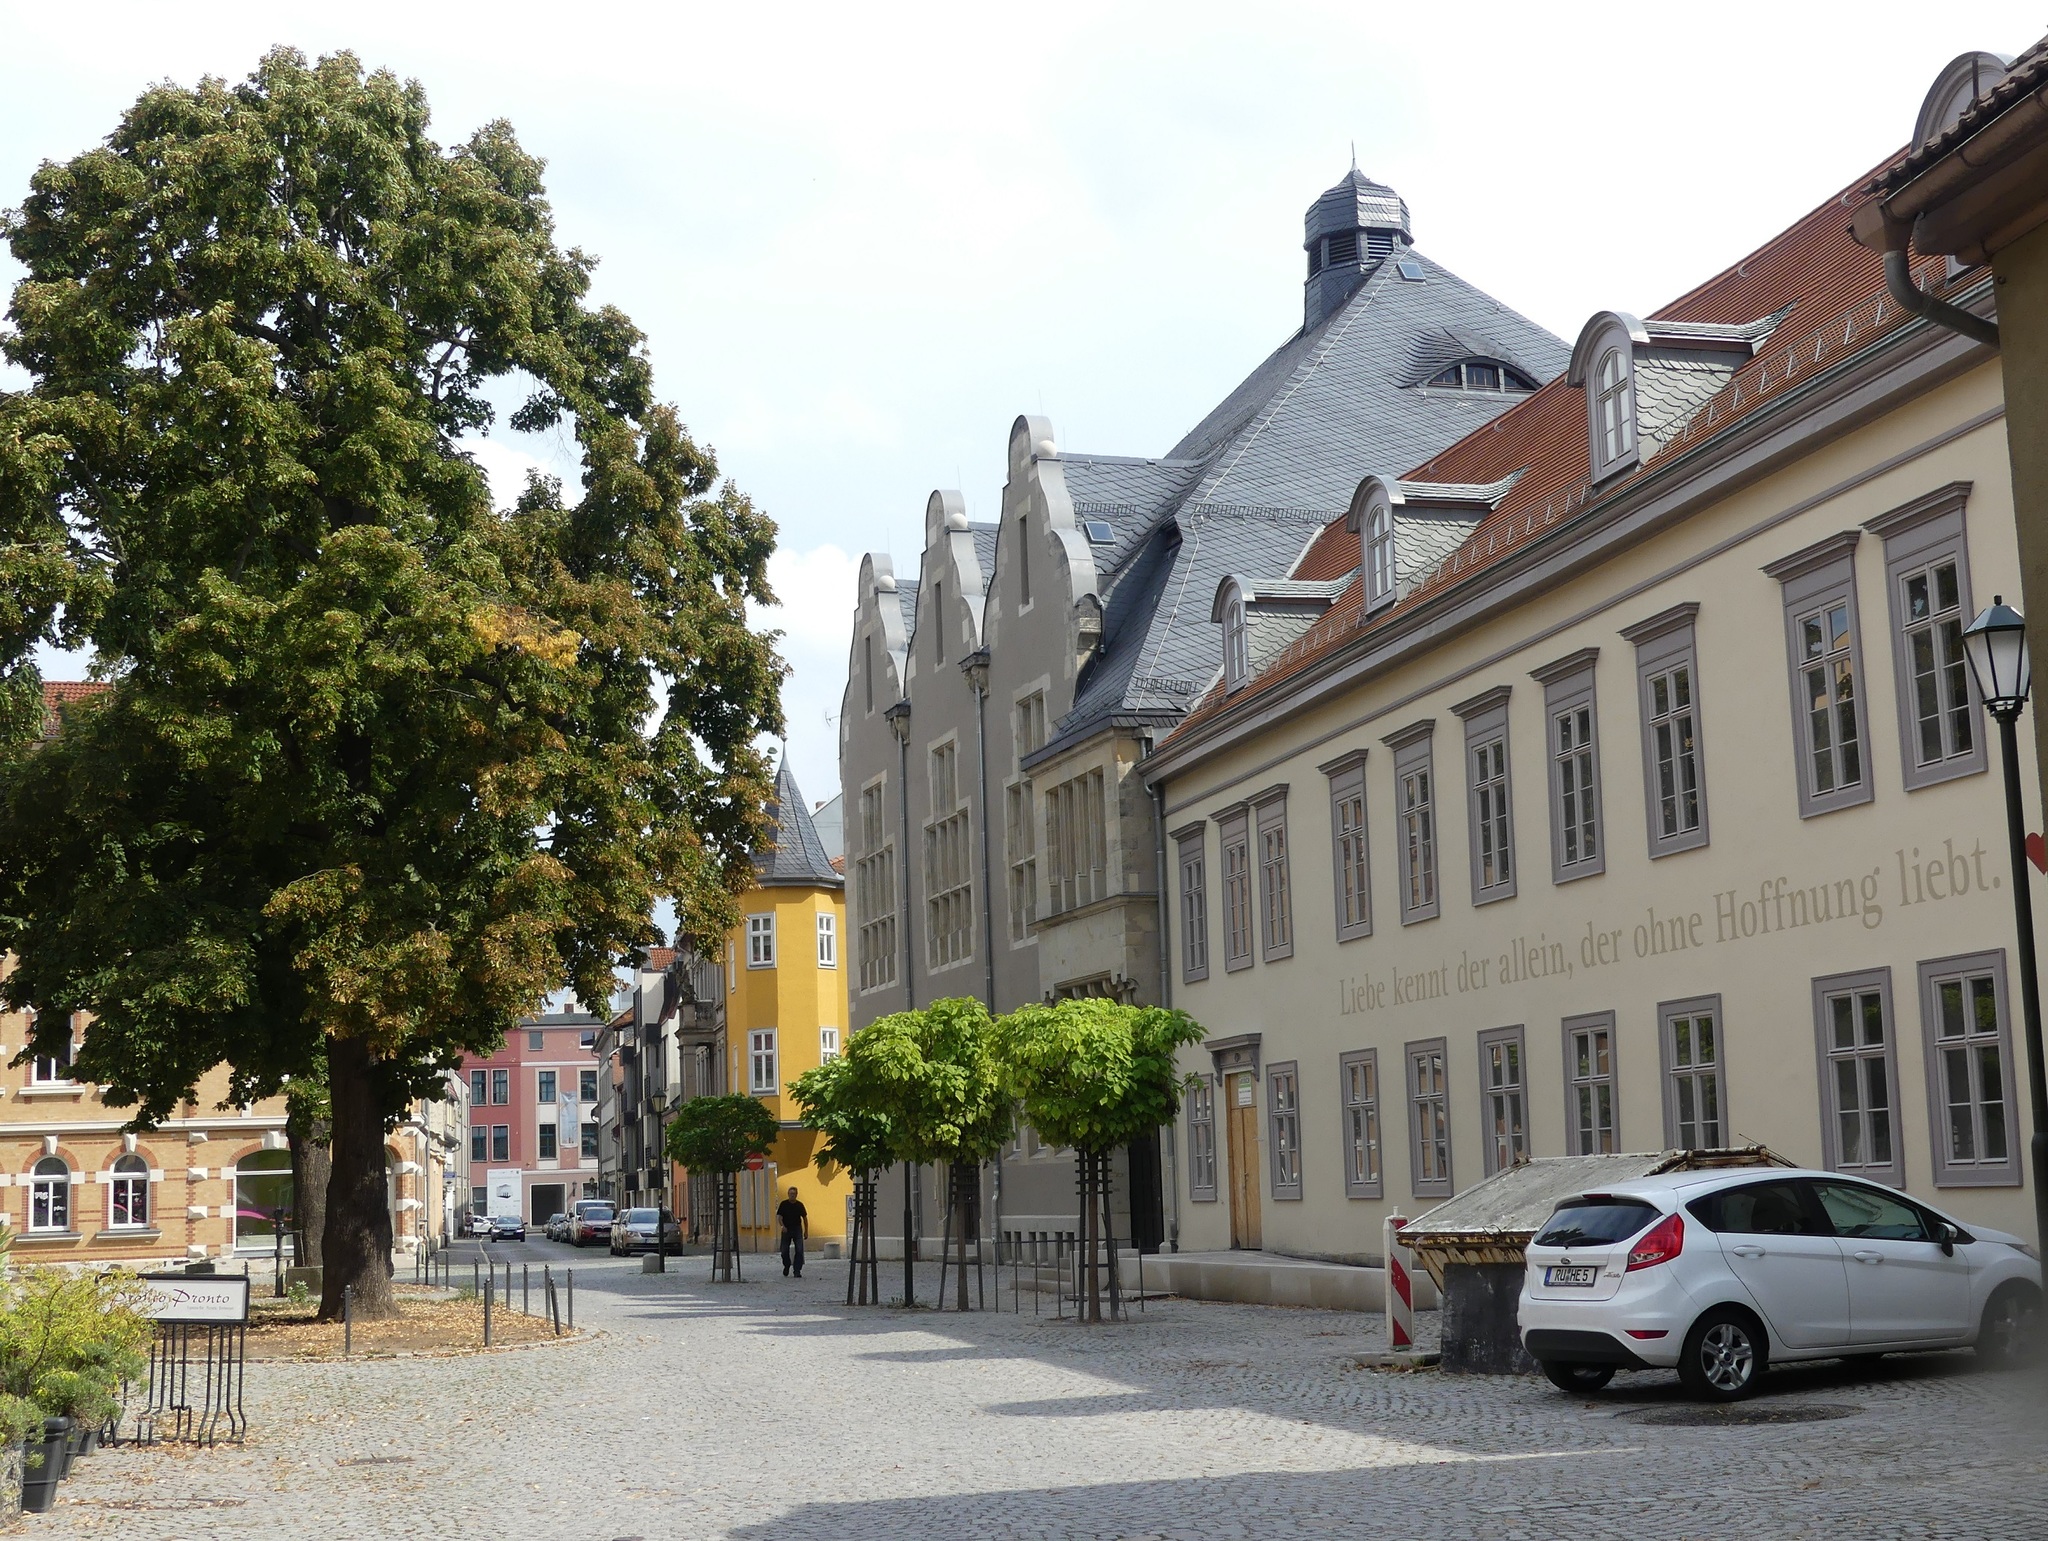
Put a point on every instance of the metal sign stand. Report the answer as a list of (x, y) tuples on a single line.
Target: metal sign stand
[(198, 1360)]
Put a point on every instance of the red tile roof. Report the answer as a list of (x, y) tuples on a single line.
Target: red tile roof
[(58, 694), (1834, 289), (659, 958)]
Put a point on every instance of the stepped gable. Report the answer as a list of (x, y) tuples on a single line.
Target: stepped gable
[(797, 857), (1810, 297)]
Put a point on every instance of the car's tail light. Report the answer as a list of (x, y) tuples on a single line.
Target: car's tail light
[(1660, 1244)]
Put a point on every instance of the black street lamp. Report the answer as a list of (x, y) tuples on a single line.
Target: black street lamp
[(1996, 643), (659, 1102)]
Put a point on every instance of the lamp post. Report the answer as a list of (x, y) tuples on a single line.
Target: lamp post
[(1996, 643), (659, 1102)]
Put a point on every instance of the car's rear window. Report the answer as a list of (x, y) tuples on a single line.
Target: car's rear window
[(1594, 1221), (639, 1217), (598, 1212)]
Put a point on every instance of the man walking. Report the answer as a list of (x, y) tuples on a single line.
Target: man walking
[(796, 1224)]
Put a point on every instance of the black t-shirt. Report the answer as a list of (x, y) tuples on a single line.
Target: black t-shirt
[(792, 1214)]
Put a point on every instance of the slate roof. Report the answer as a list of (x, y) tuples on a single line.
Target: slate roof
[(1831, 295), (1250, 488), (797, 858)]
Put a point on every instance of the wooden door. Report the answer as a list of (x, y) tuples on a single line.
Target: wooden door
[(1242, 1123)]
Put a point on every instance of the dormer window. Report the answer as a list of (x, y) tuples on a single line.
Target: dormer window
[(1481, 375), (1379, 555), (1237, 658), (1615, 409)]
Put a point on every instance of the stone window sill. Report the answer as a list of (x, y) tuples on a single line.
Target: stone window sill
[(35, 1236), (54, 1089), (129, 1233)]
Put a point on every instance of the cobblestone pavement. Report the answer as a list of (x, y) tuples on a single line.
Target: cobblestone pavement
[(769, 1410)]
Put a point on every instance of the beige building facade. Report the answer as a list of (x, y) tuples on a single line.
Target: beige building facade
[(1659, 814)]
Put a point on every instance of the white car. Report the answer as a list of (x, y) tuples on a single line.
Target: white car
[(1718, 1273)]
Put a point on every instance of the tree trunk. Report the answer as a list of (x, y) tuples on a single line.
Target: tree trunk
[(356, 1237), (312, 1170)]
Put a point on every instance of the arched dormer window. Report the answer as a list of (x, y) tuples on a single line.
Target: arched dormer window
[(1614, 410), (1379, 555), (1237, 653), (1477, 374)]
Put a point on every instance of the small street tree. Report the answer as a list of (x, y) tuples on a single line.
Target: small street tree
[(718, 1135), (375, 775), (839, 1100), (1094, 1075), (940, 1090)]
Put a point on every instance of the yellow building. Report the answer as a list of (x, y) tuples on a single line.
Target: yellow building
[(786, 1013)]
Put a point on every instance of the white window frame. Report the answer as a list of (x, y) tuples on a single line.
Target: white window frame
[(1674, 741), (764, 1065), (1358, 1091), (1686, 1070), (1191, 848), (1920, 538), (1489, 795), (1976, 1171), (1234, 831), (1614, 410), (1237, 658), (1276, 883), (130, 1175), (828, 939), (1870, 1067), (1592, 1112), (1415, 822), (1379, 555), (1504, 1097), (761, 940), (1813, 582), (1578, 815), (1350, 846), (48, 1070), (49, 1197), (1283, 1130), (828, 1045), (1202, 1139), (1427, 1072)]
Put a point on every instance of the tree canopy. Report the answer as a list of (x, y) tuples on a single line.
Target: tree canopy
[(382, 765), (838, 1100), (1095, 1074), (717, 1134), (934, 1079)]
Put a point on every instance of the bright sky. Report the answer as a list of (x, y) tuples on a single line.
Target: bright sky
[(862, 239)]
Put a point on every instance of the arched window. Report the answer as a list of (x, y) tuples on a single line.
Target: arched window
[(1237, 664), (128, 1193), (263, 1189), (1615, 410), (1481, 375), (49, 1195), (1379, 554)]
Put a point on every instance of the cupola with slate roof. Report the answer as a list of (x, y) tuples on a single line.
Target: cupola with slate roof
[(796, 858), (1351, 230)]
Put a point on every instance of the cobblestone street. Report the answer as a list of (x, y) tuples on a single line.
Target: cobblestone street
[(769, 1410)]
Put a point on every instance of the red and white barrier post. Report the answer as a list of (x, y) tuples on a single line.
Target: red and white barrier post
[(1400, 1288)]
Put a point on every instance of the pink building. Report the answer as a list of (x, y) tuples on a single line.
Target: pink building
[(533, 1119)]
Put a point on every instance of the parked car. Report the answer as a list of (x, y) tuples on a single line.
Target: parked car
[(507, 1228), (477, 1225), (636, 1230), (556, 1228), (590, 1220), (1717, 1274)]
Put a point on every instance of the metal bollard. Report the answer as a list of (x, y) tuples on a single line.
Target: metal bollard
[(488, 1295), (525, 1289), (348, 1319), (476, 1278), (572, 1298)]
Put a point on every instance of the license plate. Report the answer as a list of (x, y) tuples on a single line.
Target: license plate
[(1578, 1274)]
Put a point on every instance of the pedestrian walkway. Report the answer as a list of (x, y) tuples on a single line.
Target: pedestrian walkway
[(1193, 1419)]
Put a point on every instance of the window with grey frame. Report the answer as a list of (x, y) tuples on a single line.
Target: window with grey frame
[(1236, 850), (1194, 903), (1349, 852), (1358, 1082), (1202, 1139), (1283, 1128), (1490, 815), (1592, 1122), (1415, 820), (1429, 1119), (1692, 1046), (1578, 840), (1830, 725), (1927, 579), (1276, 886), (1858, 1075), (1667, 695), (1970, 1094), (1504, 1098)]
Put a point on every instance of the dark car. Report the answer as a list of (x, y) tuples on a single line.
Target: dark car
[(636, 1230), (557, 1228), (507, 1228), (590, 1220)]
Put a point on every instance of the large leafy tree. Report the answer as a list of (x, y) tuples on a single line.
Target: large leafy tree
[(382, 765), (1095, 1074)]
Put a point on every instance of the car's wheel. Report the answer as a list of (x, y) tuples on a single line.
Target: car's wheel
[(1725, 1354), (2009, 1338), (1577, 1377)]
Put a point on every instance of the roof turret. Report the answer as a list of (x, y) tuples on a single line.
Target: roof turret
[(797, 856), (1349, 231)]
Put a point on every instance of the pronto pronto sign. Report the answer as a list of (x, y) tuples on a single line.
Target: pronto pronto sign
[(179, 1297)]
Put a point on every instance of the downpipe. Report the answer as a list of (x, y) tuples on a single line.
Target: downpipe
[(1898, 283)]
